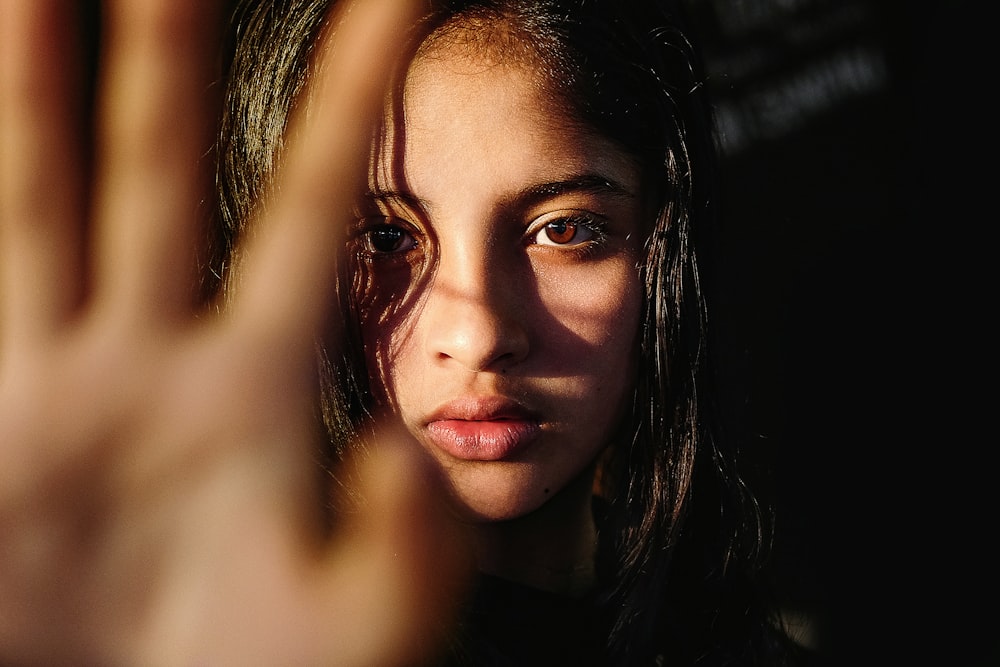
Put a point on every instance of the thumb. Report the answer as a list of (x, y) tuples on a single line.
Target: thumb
[(409, 549)]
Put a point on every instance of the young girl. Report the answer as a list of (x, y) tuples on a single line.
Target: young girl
[(519, 291), (524, 274)]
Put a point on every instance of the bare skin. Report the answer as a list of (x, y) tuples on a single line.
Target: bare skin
[(157, 488)]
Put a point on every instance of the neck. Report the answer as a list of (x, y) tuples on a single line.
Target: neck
[(552, 548)]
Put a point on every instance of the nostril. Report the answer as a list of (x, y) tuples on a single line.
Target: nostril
[(477, 328)]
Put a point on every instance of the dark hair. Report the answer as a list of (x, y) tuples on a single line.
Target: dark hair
[(682, 534)]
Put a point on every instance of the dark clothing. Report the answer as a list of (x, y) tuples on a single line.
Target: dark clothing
[(512, 624), (507, 624)]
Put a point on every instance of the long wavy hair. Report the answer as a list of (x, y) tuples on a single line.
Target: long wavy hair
[(682, 534)]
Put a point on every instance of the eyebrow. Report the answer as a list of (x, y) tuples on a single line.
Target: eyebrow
[(396, 197), (587, 183)]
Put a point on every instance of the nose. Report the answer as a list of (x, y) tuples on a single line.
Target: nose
[(475, 315)]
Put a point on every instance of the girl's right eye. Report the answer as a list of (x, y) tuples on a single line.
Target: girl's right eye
[(386, 238)]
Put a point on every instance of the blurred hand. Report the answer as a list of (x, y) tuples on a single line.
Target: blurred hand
[(158, 495)]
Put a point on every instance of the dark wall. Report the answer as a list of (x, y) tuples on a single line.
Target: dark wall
[(858, 305)]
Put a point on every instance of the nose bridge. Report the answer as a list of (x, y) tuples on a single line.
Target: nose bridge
[(473, 315)]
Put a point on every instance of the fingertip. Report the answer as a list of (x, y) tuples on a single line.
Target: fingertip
[(426, 562), (324, 165)]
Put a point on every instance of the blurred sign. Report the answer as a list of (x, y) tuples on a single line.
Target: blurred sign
[(776, 65)]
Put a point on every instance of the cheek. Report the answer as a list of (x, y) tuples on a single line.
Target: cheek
[(386, 305), (389, 355), (597, 308), (374, 357)]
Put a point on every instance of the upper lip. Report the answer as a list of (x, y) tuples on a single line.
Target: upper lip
[(481, 408)]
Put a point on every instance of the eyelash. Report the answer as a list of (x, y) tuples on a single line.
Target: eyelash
[(370, 227), (597, 227)]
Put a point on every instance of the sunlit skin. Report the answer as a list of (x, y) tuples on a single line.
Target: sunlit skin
[(513, 362)]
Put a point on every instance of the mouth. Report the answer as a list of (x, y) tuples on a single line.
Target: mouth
[(482, 429)]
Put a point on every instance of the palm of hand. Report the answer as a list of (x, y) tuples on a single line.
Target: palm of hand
[(156, 483)]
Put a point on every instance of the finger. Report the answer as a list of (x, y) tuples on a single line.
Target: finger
[(157, 115), (41, 168), (396, 587), (288, 278)]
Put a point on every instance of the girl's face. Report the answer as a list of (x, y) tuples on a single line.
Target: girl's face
[(512, 360)]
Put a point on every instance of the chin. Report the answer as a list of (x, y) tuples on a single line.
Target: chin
[(495, 503)]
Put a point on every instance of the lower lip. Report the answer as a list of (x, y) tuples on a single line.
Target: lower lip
[(483, 440)]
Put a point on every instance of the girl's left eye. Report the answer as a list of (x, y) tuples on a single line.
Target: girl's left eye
[(566, 232)]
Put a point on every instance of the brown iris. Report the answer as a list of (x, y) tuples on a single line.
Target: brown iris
[(561, 231)]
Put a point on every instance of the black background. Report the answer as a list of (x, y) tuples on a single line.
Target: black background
[(858, 301)]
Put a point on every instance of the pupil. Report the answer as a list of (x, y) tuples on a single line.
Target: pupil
[(386, 239), (561, 231)]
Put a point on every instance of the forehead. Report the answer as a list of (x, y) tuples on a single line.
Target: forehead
[(463, 107), (450, 87)]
